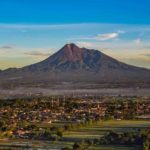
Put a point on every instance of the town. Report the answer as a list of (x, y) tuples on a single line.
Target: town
[(49, 118)]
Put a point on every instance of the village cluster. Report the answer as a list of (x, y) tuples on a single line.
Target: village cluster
[(25, 117)]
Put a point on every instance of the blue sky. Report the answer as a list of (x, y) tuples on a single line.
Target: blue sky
[(75, 11), (31, 30)]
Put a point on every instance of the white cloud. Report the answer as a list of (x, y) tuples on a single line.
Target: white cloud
[(107, 36), (147, 55), (137, 42), (102, 37), (84, 44), (24, 27), (7, 47), (37, 53), (121, 31)]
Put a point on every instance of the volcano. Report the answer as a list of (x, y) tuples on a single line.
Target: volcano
[(71, 65)]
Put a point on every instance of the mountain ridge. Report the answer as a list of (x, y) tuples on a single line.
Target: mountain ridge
[(74, 64), (67, 51)]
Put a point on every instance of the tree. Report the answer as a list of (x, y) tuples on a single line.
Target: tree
[(76, 146), (1, 124), (146, 145), (4, 129), (79, 146), (59, 133), (66, 148)]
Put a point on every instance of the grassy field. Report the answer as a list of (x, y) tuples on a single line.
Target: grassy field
[(112, 147), (102, 128), (90, 132), (36, 145)]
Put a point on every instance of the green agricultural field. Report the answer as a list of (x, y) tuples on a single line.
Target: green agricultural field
[(89, 132), (111, 147), (103, 127)]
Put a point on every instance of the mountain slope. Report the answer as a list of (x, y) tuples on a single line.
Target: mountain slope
[(74, 64)]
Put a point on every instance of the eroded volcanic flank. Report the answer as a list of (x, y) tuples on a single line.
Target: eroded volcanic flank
[(73, 64), (70, 58)]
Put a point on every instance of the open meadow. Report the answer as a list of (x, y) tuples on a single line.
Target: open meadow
[(94, 131)]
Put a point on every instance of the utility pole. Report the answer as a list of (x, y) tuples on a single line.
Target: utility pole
[(64, 98), (52, 102), (58, 101)]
